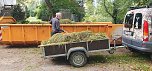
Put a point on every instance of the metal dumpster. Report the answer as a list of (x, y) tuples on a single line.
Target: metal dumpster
[(23, 34), (33, 34), (6, 19)]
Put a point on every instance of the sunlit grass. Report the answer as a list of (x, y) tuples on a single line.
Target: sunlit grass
[(137, 62)]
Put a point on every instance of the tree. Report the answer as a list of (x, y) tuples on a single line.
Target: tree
[(140, 2), (111, 9), (94, 14), (50, 6), (56, 5), (42, 12), (106, 10), (18, 13), (116, 9)]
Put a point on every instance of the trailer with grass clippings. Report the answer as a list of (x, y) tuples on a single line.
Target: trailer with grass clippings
[(78, 52)]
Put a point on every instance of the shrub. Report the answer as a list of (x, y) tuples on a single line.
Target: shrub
[(18, 13), (66, 21)]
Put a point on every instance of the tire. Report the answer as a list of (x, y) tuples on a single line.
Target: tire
[(132, 50), (150, 55), (111, 51), (78, 59)]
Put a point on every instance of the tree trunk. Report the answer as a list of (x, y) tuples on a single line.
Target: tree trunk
[(113, 15), (114, 20), (49, 4)]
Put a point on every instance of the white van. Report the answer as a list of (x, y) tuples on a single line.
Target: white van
[(137, 30)]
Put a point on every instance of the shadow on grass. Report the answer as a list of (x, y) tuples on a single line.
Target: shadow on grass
[(128, 58), (60, 61), (122, 58), (97, 59)]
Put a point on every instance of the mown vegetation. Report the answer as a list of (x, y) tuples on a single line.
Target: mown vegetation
[(127, 61), (83, 36)]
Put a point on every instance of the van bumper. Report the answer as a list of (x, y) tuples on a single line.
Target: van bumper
[(146, 47)]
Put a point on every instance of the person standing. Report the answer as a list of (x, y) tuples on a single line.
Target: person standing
[(56, 24)]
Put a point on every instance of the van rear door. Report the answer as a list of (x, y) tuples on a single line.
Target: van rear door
[(138, 30), (150, 28), (128, 29)]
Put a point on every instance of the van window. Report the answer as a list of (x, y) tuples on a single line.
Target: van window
[(150, 28), (151, 22), (138, 21), (129, 20)]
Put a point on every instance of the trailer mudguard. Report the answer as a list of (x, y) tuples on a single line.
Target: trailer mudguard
[(82, 49)]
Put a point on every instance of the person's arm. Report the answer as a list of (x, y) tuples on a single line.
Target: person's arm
[(54, 28), (50, 21), (58, 27), (61, 30)]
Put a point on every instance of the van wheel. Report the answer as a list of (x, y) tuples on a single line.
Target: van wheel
[(78, 59), (132, 50), (150, 56)]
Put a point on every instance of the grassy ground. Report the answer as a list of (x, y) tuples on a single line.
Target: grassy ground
[(30, 59), (135, 61)]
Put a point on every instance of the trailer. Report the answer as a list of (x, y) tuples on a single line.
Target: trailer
[(78, 52)]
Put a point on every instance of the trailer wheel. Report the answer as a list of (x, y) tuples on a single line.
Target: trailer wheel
[(111, 51), (78, 59)]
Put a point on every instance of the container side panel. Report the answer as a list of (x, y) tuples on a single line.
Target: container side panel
[(69, 29), (95, 29), (43, 33), (81, 28), (16, 33), (99, 44), (73, 45), (5, 34), (54, 50), (30, 33)]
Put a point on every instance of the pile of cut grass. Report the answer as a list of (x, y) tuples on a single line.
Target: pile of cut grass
[(61, 38)]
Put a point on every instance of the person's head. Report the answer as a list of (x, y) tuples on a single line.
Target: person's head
[(58, 15)]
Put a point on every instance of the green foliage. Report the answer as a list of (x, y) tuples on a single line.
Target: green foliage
[(140, 2), (27, 13), (20, 22), (65, 21), (34, 20), (42, 12), (97, 18), (18, 13), (38, 22), (24, 22), (39, 8), (116, 10), (71, 5), (95, 14)]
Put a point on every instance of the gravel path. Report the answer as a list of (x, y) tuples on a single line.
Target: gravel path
[(30, 59)]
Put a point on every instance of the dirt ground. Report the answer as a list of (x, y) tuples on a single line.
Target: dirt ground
[(30, 59)]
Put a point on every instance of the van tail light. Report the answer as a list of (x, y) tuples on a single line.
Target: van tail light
[(0, 34), (145, 31)]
